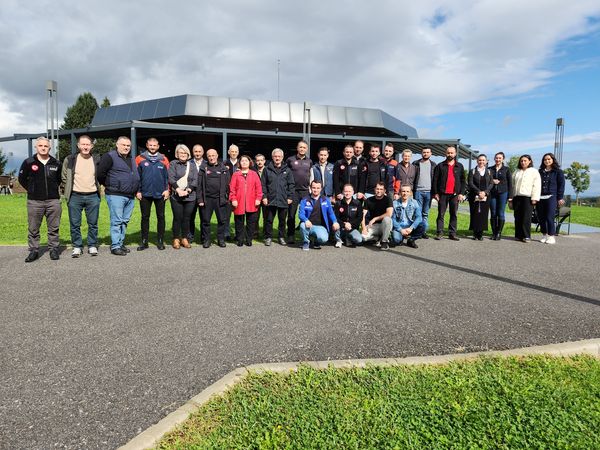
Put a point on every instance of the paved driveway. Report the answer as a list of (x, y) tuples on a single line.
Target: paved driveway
[(95, 350)]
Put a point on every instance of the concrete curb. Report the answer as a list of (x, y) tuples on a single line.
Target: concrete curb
[(150, 437)]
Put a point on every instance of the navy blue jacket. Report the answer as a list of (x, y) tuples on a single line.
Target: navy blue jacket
[(118, 174), (316, 176), (153, 175), (306, 207), (277, 185), (553, 183)]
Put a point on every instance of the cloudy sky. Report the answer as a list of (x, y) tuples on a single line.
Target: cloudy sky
[(495, 74)]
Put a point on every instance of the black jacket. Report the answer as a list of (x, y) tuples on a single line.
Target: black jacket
[(352, 212), (372, 172), (277, 185), (224, 179), (503, 174), (478, 183), (41, 181), (440, 176), (344, 173)]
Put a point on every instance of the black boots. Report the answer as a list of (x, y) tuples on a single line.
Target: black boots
[(143, 245)]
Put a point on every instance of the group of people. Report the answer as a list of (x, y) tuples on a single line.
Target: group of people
[(357, 199)]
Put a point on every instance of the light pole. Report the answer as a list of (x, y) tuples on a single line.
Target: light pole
[(52, 114)]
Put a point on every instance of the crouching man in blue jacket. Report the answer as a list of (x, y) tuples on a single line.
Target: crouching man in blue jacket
[(407, 221), (317, 218)]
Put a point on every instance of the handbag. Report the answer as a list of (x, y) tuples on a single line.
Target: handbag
[(182, 182)]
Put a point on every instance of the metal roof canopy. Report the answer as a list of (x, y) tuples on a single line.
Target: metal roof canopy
[(438, 146)]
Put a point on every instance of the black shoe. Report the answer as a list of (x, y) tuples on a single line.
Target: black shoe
[(282, 241), (411, 243), (206, 244), (54, 254), (425, 236), (453, 237), (125, 249), (438, 237), (290, 240), (268, 242), (118, 251), (160, 245), (249, 243), (222, 244), (33, 255), (317, 246), (143, 245), (385, 246), (240, 243)]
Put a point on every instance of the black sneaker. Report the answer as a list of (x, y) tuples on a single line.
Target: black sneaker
[(317, 246), (411, 243), (118, 251), (206, 244), (438, 237), (290, 240), (222, 244), (33, 255), (453, 237), (160, 245), (54, 254), (125, 249), (425, 236), (385, 246), (143, 246)]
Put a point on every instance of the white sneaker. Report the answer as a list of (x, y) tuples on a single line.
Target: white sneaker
[(550, 240), (93, 251), (76, 252), (338, 244), (378, 244), (544, 239)]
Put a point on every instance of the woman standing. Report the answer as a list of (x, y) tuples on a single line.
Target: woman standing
[(183, 180), (501, 189), (526, 189), (480, 184), (245, 194), (553, 190)]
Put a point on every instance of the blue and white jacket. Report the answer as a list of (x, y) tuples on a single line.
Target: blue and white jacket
[(306, 207), (412, 211)]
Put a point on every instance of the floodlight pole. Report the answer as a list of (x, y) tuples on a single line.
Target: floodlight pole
[(52, 114), (558, 139), (306, 122)]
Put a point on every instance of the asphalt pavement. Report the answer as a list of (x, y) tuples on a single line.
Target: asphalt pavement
[(95, 350)]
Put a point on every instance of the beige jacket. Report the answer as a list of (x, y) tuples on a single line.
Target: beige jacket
[(527, 183)]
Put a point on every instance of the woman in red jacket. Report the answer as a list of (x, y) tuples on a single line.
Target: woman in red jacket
[(245, 194)]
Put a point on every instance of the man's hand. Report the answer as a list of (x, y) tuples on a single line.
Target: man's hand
[(336, 226), (347, 226), (265, 201), (461, 197), (234, 203), (256, 202), (138, 195), (290, 201), (360, 196), (339, 196), (406, 231), (437, 197), (308, 224), (166, 194)]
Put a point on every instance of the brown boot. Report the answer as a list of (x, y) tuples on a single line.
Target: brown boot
[(185, 243), (176, 244)]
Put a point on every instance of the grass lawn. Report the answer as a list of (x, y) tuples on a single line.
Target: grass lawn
[(518, 402), (13, 223)]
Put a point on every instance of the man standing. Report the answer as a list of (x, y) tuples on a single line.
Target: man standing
[(154, 188), (278, 193), (391, 164), (317, 218), (40, 175), (405, 173), (259, 166), (422, 186), (407, 220), (346, 171), (198, 163), (121, 179), (359, 147), (232, 164), (373, 171), (378, 211), (349, 213), (213, 196), (448, 188), (82, 193), (300, 166), (323, 172)]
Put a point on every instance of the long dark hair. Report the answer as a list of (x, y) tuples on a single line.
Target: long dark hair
[(530, 161), (555, 164)]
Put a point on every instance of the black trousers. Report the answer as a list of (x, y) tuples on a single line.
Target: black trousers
[(443, 203), (181, 217), (250, 219), (213, 205), (197, 211), (522, 210), (292, 210), (281, 213), (262, 211), (146, 208)]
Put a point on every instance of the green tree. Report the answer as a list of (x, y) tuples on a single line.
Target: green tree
[(80, 115), (513, 163), (579, 176), (3, 161)]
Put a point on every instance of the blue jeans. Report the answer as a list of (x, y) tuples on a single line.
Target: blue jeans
[(354, 236), (423, 198), (89, 203), (120, 209), (498, 205), (416, 234), (317, 231)]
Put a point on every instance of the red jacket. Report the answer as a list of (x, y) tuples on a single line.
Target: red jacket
[(246, 191)]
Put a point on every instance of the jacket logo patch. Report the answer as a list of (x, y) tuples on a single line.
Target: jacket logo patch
[(208, 172), (296, 163), (35, 168), (342, 167), (342, 210)]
